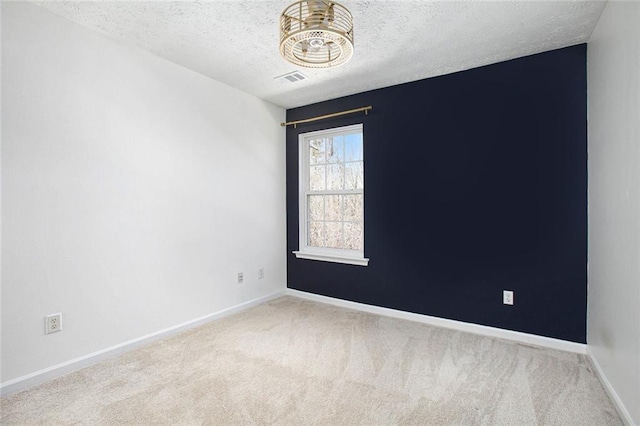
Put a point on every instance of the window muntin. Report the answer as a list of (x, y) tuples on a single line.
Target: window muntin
[(332, 195)]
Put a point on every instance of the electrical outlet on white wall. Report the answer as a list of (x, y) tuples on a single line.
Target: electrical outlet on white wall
[(53, 323)]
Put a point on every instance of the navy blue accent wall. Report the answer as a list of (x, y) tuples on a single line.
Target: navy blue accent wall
[(475, 182)]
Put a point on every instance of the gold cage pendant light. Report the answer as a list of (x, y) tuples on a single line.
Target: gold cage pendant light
[(316, 34)]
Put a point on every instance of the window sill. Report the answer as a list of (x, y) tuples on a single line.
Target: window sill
[(360, 261)]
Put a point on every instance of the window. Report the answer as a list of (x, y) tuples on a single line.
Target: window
[(331, 185)]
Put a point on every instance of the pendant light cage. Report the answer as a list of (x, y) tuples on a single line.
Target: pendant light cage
[(316, 34)]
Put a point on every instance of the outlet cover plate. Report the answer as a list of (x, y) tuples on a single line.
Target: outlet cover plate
[(53, 323), (507, 297)]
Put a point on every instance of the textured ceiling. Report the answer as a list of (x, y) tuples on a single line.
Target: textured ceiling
[(236, 42)]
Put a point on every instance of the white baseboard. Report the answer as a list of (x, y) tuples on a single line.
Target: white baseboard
[(617, 402), (530, 339), (46, 374)]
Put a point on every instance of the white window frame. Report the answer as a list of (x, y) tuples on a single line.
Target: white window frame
[(353, 257)]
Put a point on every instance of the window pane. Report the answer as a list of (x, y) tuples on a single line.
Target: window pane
[(353, 209), (333, 207), (353, 236), (354, 176), (335, 176), (335, 149), (332, 221), (353, 147), (316, 178), (316, 207), (333, 236), (316, 234), (316, 151)]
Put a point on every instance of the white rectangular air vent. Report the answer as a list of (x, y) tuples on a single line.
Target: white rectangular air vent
[(291, 77)]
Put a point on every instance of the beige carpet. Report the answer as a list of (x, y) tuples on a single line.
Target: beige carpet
[(295, 362)]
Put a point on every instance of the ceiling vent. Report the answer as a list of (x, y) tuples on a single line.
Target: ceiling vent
[(291, 77)]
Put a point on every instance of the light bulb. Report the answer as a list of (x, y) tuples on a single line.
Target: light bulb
[(316, 42)]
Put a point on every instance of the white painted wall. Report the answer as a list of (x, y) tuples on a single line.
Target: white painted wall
[(613, 330), (1, 102), (133, 191)]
